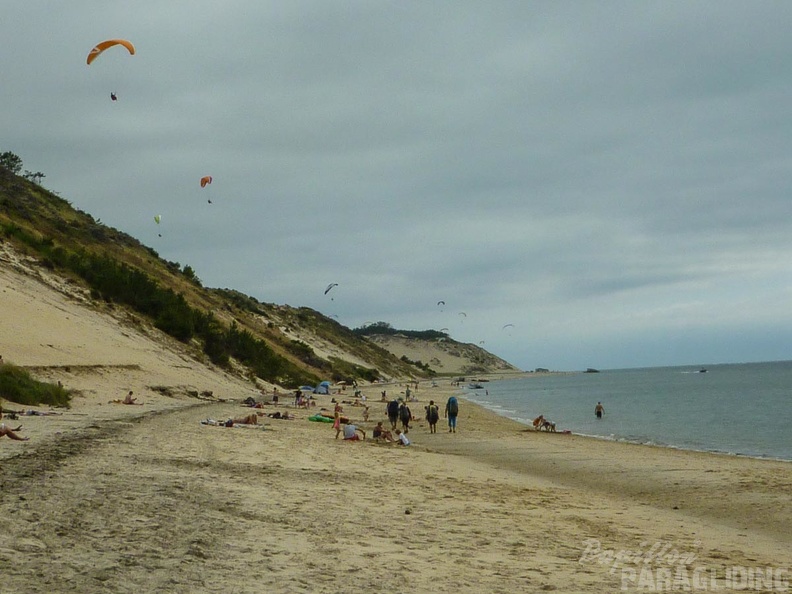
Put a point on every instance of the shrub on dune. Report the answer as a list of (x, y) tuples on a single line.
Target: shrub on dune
[(16, 385)]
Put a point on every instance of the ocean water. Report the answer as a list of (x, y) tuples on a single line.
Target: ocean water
[(743, 409)]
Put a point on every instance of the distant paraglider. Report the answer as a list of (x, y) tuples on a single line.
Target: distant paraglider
[(205, 181), (507, 326), (100, 47), (157, 219), (329, 287)]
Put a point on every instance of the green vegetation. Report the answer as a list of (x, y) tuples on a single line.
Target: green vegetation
[(262, 360), (419, 365), (307, 355), (16, 385), (346, 371), (385, 328), (10, 161)]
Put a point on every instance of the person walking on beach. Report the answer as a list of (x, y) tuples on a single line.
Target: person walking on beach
[(599, 410), (432, 416), (405, 415), (452, 411), (337, 419), (392, 410)]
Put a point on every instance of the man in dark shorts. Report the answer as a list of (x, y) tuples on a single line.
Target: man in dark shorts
[(381, 433), (599, 409)]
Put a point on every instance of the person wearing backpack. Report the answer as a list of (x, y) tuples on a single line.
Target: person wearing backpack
[(392, 410), (432, 416), (405, 415), (452, 411)]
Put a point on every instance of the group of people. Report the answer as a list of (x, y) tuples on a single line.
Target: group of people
[(541, 423), (302, 400), (397, 411)]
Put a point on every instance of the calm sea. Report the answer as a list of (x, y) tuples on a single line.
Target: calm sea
[(743, 409)]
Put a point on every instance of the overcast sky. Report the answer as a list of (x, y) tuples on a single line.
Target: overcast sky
[(612, 178)]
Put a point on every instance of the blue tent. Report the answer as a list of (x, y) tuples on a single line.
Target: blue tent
[(322, 388)]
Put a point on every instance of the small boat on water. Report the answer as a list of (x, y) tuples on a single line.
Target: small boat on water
[(475, 386)]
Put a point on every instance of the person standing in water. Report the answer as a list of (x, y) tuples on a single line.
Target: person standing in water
[(599, 410)]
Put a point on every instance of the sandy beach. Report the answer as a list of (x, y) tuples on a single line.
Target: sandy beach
[(113, 498)]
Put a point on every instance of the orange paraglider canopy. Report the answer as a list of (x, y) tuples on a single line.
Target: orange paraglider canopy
[(94, 53), (206, 180)]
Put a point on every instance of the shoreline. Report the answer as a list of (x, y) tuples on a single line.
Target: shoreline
[(652, 440), (634, 471), (636, 442)]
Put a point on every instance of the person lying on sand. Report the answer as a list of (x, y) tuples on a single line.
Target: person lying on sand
[(251, 419), (281, 415), (251, 403), (128, 399)]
